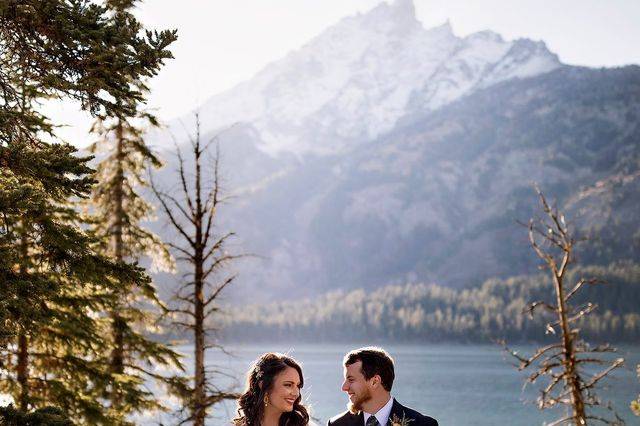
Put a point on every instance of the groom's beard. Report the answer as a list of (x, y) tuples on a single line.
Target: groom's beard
[(355, 406)]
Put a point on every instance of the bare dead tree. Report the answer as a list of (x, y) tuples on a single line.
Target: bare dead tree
[(194, 215), (562, 363)]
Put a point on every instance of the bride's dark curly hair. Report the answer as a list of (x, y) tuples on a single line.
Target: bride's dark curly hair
[(259, 382)]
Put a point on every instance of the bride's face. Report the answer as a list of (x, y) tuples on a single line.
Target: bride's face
[(285, 390)]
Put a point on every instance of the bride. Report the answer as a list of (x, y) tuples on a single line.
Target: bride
[(272, 396)]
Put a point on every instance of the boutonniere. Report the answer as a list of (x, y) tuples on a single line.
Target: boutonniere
[(397, 421)]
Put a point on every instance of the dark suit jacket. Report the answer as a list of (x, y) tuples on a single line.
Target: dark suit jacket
[(400, 411)]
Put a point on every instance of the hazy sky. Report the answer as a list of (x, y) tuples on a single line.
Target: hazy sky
[(223, 42)]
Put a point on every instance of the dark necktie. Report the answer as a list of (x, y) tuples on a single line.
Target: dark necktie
[(372, 421)]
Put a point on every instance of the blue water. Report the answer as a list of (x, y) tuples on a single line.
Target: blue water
[(456, 384)]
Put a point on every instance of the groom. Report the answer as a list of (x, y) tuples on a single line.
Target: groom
[(368, 378)]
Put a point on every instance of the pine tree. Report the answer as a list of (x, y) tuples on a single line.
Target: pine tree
[(60, 285), (54, 284), (124, 159)]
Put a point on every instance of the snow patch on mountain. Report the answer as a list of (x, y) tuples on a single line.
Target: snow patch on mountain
[(355, 80)]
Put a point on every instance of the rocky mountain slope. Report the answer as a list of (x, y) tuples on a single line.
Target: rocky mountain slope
[(384, 152)]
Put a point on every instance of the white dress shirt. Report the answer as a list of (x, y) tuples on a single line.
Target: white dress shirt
[(382, 415)]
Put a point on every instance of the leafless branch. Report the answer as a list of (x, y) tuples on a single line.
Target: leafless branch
[(552, 242), (196, 297)]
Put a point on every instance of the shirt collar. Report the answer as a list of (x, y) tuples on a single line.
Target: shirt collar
[(382, 415)]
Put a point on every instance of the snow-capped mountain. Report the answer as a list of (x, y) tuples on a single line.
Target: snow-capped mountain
[(383, 152), (354, 81)]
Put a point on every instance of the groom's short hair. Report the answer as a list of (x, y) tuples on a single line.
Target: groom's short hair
[(374, 361)]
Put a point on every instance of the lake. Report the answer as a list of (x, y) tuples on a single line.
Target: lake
[(456, 384)]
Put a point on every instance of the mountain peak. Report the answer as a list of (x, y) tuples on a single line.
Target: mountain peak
[(397, 15), (404, 8), (355, 80)]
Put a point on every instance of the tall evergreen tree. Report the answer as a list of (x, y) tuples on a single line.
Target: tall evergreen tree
[(60, 285), (118, 210), (54, 284), (124, 157)]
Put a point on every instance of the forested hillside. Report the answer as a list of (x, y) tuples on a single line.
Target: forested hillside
[(432, 313)]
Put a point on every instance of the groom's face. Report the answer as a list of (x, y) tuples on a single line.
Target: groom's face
[(356, 386)]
